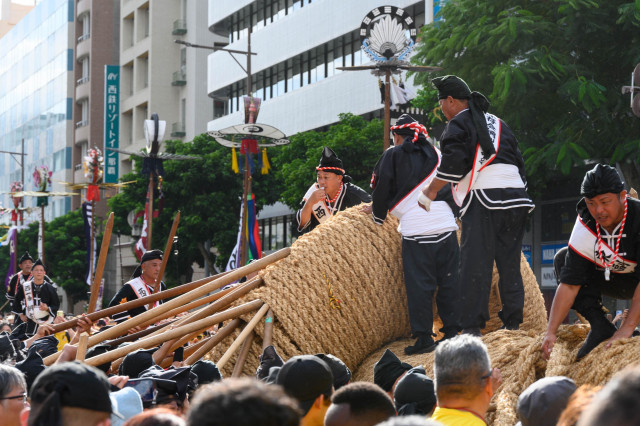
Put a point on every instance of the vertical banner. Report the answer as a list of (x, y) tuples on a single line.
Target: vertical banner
[(111, 122), (11, 241), (141, 246), (235, 257), (252, 236), (87, 216), (40, 236)]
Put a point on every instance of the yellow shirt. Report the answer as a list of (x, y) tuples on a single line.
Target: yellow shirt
[(63, 339), (453, 417)]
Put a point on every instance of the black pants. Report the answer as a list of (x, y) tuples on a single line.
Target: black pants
[(431, 263), (488, 236), (589, 297)]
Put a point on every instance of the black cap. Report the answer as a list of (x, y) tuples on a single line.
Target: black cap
[(136, 362), (167, 392), (542, 403), (305, 377), (70, 384), (329, 162), (268, 359), (414, 393), (39, 262), (148, 255), (387, 370), (7, 350), (340, 371), (451, 85), (45, 346), (602, 179), (206, 371), (31, 367), (25, 256), (100, 349)]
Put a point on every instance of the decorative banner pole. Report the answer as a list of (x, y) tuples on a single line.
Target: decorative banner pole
[(388, 35)]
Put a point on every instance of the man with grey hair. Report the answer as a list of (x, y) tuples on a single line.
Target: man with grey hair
[(13, 395), (464, 381)]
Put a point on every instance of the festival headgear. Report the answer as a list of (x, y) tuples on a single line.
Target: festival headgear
[(181, 379), (25, 256), (44, 346), (414, 393), (7, 351), (99, 350), (31, 367), (206, 371), (70, 384), (542, 403), (39, 262), (454, 86), (148, 255), (136, 362), (340, 371), (305, 378), (329, 162), (387, 370), (602, 179), (409, 126), (268, 359)]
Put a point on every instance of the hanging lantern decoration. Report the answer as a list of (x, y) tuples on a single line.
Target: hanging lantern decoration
[(93, 165), (16, 213), (42, 181)]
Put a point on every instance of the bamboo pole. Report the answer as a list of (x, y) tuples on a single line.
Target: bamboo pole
[(268, 329), (82, 346), (138, 335), (234, 275), (102, 259), (175, 291), (213, 341), (176, 332), (243, 335), (166, 254), (244, 354)]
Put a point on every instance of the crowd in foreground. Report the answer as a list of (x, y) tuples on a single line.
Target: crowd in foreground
[(307, 390)]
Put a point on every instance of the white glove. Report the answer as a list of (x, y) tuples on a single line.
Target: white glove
[(424, 201)]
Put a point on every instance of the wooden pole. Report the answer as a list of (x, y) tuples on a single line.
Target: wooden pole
[(167, 252), (172, 334), (138, 335), (122, 328), (213, 341), (138, 302), (91, 244), (42, 231), (104, 248), (150, 210), (243, 335), (268, 329), (82, 346), (387, 108), (243, 355)]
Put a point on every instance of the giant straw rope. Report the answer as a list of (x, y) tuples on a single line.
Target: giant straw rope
[(341, 291)]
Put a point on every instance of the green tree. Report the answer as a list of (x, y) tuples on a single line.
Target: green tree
[(65, 252), (208, 194), (552, 70), (356, 141)]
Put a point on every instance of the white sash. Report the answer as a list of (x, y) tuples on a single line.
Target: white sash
[(410, 200), (462, 188), (585, 242), (141, 289), (320, 209), (30, 305)]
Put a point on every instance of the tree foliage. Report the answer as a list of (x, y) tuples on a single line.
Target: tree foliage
[(207, 193), (552, 70), (357, 142), (65, 252)]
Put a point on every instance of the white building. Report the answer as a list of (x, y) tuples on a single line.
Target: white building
[(299, 45)]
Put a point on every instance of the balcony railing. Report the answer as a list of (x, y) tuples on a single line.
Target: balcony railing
[(177, 130), (179, 27), (179, 78), (82, 123), (82, 80), (83, 37)]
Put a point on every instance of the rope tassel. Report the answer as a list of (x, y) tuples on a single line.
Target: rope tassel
[(234, 161), (265, 162)]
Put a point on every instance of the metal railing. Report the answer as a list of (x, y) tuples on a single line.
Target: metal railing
[(82, 80), (82, 123), (83, 37)]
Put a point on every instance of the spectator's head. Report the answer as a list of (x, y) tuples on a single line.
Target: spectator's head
[(136, 362), (5, 327), (309, 380), (44, 346), (172, 385), (359, 404), (388, 370), (13, 391), (99, 350), (578, 402), (340, 371), (243, 402), (541, 403), (415, 393), (31, 367), (617, 403), (156, 417), (269, 358), (70, 394), (206, 371), (462, 371)]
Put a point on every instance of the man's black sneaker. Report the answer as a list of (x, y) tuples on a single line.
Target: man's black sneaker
[(447, 336), (422, 346), (511, 326), (601, 330), (474, 331)]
